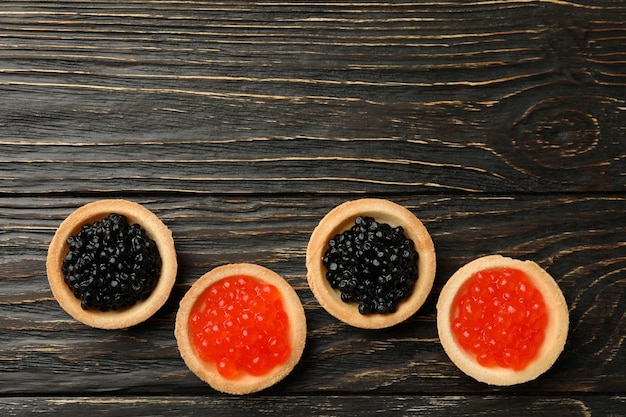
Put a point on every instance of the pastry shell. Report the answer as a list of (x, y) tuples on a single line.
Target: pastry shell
[(340, 219), (207, 371), (555, 332), (142, 310)]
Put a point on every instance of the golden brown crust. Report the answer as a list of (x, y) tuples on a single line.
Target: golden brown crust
[(89, 214), (207, 371), (341, 218), (555, 333)]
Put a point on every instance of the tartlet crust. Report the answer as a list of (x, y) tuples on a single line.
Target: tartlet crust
[(340, 219), (555, 332), (247, 383), (155, 229)]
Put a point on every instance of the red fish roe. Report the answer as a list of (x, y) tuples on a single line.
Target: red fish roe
[(241, 327), (501, 318)]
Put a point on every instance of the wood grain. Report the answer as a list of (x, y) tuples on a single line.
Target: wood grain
[(197, 97), (575, 239), (500, 124), (580, 406)]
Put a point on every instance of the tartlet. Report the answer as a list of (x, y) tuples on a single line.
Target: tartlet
[(555, 331), (340, 219), (135, 214), (207, 371)]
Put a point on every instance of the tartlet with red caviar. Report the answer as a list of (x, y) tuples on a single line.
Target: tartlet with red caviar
[(241, 328), (370, 263), (112, 264), (502, 321)]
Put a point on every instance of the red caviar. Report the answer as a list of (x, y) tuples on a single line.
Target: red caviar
[(501, 318), (241, 327)]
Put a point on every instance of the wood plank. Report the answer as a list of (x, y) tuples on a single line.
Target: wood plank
[(509, 405), (203, 97), (499, 123), (579, 240)]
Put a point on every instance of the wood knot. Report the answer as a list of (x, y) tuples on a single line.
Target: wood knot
[(558, 133)]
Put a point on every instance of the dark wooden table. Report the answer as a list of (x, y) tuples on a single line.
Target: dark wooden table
[(500, 124)]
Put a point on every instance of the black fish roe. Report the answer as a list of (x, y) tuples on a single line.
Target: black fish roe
[(111, 264), (373, 264)]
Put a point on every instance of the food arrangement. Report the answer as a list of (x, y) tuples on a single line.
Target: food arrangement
[(370, 263)]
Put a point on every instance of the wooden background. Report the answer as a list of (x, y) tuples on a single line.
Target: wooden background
[(500, 124)]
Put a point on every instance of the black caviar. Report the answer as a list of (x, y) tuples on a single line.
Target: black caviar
[(373, 264), (111, 264)]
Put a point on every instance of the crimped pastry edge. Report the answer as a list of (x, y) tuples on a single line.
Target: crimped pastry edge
[(206, 371), (556, 330), (342, 218), (90, 213)]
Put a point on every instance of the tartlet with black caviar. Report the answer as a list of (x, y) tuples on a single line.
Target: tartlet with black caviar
[(112, 264), (370, 263)]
